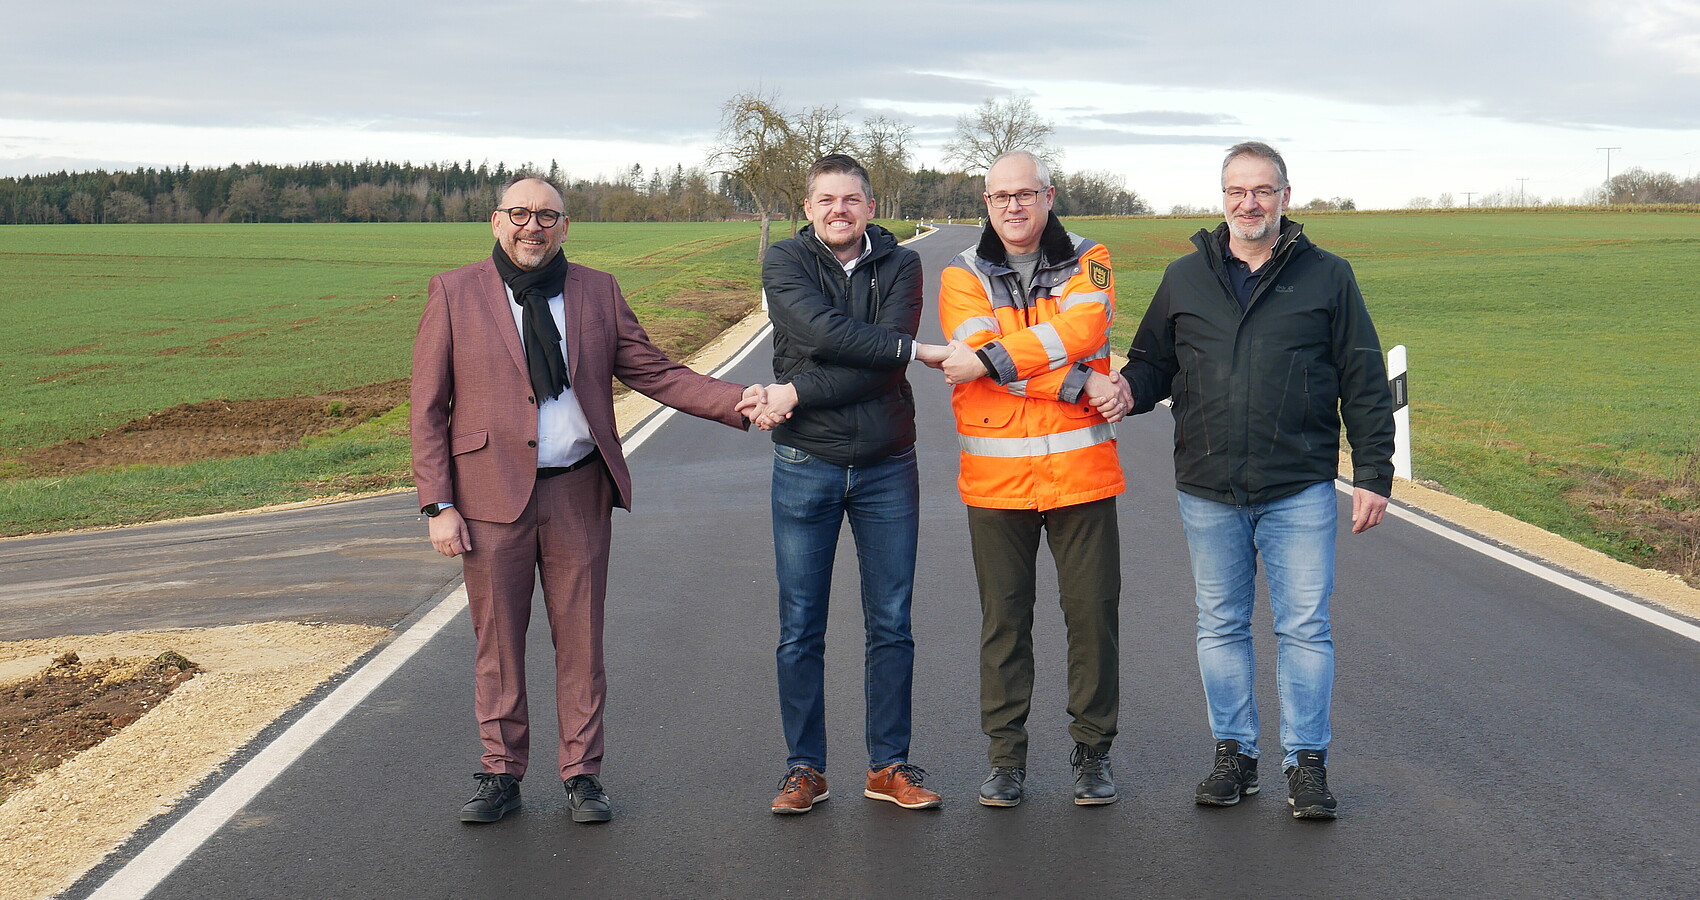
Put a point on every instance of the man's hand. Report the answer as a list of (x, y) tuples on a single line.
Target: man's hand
[(755, 397), (449, 534), (932, 354), (1110, 394), (1367, 509), (962, 365), (781, 402)]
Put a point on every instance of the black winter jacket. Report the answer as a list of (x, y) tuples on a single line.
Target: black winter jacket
[(844, 342), (1259, 395)]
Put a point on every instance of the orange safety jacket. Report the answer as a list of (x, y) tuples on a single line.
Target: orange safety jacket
[(1029, 438)]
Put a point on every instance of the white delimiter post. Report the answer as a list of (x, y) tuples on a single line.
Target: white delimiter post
[(1401, 412)]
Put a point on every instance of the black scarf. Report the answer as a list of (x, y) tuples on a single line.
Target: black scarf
[(532, 291)]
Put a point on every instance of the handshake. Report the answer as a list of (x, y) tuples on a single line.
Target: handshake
[(769, 405), (961, 364)]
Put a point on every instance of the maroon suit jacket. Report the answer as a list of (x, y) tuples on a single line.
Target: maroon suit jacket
[(473, 420)]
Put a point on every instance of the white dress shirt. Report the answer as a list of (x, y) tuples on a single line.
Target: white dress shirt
[(563, 433)]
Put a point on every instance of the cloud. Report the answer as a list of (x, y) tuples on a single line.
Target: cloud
[(656, 72), (1067, 135), (1163, 118)]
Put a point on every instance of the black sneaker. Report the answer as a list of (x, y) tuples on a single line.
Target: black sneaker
[(586, 799), (498, 795), (1307, 787), (1094, 784), (1235, 774)]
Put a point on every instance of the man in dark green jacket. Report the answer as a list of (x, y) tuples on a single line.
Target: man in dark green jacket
[(1263, 342)]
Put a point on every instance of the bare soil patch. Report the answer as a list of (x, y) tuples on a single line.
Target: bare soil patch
[(718, 310), (72, 706), (55, 823), (218, 429), (1656, 519)]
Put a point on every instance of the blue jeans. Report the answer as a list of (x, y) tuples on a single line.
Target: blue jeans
[(1295, 537), (811, 499)]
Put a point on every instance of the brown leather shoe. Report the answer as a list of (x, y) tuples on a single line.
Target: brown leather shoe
[(900, 783), (799, 791)]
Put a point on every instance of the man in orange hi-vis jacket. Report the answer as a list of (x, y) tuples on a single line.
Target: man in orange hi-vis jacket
[(1028, 315)]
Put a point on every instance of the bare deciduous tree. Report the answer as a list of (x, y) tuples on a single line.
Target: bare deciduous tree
[(884, 149), (815, 132), (996, 128), (754, 148)]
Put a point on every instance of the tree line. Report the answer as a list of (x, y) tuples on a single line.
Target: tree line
[(366, 191)]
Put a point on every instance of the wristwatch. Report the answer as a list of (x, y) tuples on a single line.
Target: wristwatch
[(434, 509)]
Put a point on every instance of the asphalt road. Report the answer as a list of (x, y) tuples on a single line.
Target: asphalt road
[(1496, 736), (362, 562)]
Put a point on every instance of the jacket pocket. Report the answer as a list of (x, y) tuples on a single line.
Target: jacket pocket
[(984, 410), (466, 443)]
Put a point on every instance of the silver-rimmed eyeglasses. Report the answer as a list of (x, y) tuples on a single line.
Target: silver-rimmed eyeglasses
[(1236, 194)]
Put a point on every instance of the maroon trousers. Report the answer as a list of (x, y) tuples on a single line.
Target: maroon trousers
[(564, 534)]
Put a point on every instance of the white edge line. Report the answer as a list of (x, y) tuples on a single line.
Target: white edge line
[(660, 417), (144, 872), (1651, 616)]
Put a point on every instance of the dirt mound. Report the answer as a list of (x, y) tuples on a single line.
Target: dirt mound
[(72, 706), (218, 428)]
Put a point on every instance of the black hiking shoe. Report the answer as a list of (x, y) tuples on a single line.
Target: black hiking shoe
[(1307, 787), (1235, 775)]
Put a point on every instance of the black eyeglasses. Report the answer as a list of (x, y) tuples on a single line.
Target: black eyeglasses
[(1001, 200), (546, 218)]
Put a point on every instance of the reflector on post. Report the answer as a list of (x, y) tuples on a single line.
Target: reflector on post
[(1401, 412)]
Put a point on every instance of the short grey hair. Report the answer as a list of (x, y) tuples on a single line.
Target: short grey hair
[(1260, 150), (525, 175), (1039, 166)]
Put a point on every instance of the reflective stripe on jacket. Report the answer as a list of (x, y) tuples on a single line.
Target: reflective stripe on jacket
[(1028, 437)]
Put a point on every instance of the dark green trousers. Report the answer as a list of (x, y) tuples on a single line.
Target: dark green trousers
[(1087, 548)]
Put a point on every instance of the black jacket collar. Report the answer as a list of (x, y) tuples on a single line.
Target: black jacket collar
[(1054, 243), (1214, 243), (880, 243)]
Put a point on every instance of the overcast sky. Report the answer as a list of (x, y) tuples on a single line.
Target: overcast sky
[(1377, 104)]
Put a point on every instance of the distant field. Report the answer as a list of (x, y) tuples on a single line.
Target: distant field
[(108, 323), (1554, 356)]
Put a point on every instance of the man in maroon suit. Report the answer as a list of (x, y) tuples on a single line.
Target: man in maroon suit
[(519, 467)]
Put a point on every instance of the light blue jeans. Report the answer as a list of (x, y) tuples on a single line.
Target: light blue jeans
[(1295, 537)]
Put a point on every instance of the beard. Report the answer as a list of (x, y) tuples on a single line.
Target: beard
[(1258, 232)]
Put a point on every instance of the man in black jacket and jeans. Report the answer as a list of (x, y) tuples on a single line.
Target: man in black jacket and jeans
[(1263, 341), (845, 301)]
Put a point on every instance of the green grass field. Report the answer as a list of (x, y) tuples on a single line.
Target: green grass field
[(1553, 355), (105, 324)]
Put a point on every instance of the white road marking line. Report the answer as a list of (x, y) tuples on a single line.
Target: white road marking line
[(1644, 613), (144, 872)]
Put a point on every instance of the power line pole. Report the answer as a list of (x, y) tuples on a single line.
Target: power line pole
[(1608, 151), (1520, 191), (1467, 196)]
